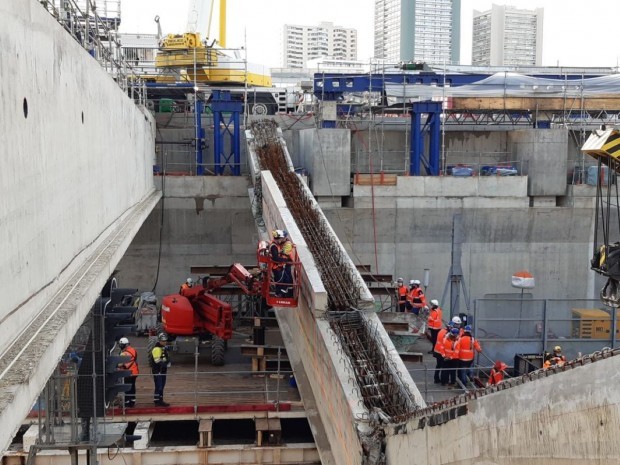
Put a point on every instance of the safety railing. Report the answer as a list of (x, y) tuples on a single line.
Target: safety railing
[(97, 33), (509, 326)]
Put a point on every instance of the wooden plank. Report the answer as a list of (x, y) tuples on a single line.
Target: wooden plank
[(379, 179), (608, 103), (254, 350)]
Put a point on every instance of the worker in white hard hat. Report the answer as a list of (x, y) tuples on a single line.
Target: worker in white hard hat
[(188, 284), (126, 350), (401, 292), (282, 253), (416, 298), (434, 323)]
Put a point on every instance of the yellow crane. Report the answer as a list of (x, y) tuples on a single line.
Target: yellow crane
[(196, 60)]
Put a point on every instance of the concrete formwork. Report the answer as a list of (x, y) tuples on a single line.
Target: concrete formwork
[(76, 182), (571, 417)]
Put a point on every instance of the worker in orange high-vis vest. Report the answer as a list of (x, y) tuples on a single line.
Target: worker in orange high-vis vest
[(282, 252), (467, 346), (416, 298), (131, 365), (497, 373), (401, 292), (438, 352), (450, 359), (434, 323)]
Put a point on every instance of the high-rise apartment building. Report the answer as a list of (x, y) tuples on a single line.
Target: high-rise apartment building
[(507, 36), (303, 43), (418, 30)]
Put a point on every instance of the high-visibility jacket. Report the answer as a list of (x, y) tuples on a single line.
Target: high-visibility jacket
[(495, 377), (434, 318), (439, 344), (402, 294), (450, 351), (555, 361), (131, 364), (281, 254), (466, 345), (416, 298)]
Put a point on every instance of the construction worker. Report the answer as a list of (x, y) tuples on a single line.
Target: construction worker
[(188, 284), (450, 359), (434, 323), (282, 253), (401, 291), (497, 373), (438, 352), (416, 298), (556, 358), (466, 345), (159, 368), (127, 351)]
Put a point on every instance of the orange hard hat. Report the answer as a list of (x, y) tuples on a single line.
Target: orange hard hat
[(499, 365)]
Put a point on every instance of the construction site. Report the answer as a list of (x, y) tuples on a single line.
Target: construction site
[(166, 235)]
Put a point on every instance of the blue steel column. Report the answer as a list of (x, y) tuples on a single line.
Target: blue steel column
[(433, 124), (222, 103), (200, 135), (416, 146)]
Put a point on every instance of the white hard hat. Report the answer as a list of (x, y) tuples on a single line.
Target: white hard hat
[(411, 282), (415, 281), (435, 302), (189, 281), (456, 320), (123, 341), (400, 280)]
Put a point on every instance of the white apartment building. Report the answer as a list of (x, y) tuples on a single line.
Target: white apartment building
[(303, 43), (418, 30), (507, 36)]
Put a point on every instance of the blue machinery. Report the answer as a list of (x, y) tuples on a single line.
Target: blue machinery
[(226, 127), (333, 86)]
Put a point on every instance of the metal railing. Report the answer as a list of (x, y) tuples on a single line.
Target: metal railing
[(98, 35), (509, 326)]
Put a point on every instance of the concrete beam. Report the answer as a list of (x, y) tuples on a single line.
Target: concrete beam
[(27, 364)]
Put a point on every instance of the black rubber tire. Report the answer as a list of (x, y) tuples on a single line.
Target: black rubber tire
[(218, 348)]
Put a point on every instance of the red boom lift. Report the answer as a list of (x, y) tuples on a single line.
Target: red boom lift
[(198, 313)]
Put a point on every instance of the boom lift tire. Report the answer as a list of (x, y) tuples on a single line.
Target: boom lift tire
[(218, 348)]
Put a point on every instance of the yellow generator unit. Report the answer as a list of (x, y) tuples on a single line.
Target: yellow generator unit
[(593, 323)]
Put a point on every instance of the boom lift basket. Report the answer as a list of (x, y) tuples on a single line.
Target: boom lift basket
[(284, 293)]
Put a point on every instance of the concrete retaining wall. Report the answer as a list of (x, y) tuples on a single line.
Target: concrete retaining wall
[(413, 224), (568, 418), (76, 153), (207, 221)]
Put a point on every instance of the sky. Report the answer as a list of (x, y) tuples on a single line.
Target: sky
[(575, 32)]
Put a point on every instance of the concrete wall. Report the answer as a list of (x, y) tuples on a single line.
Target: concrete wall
[(76, 153), (412, 223), (567, 418), (327, 156), (207, 221), (544, 157)]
